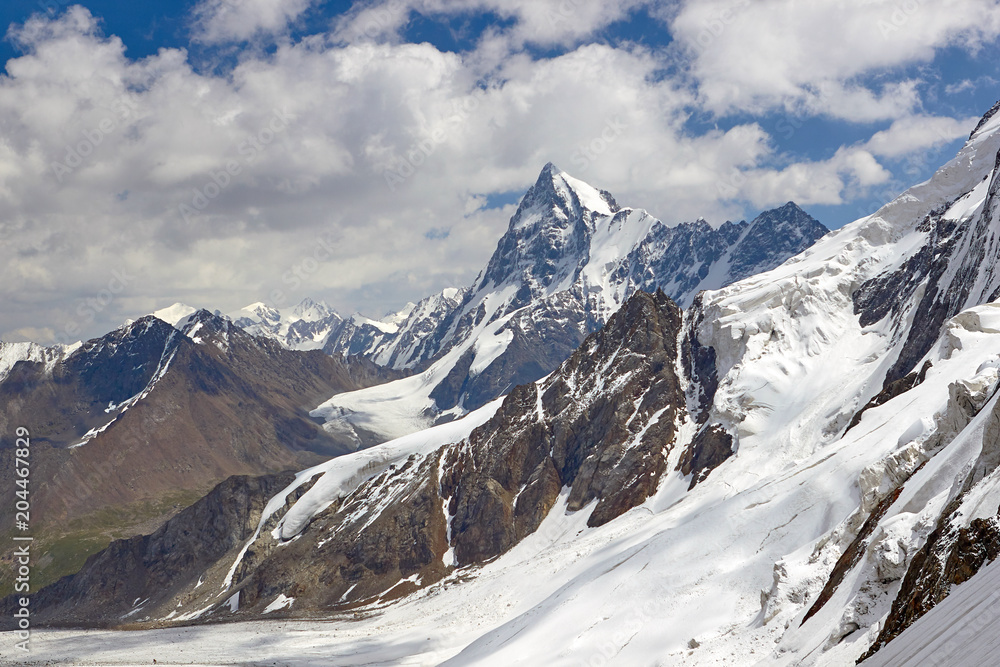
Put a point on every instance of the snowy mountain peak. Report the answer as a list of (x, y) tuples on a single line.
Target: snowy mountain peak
[(312, 311), (12, 353), (568, 261), (789, 210), (175, 314), (768, 237), (558, 192), (549, 236), (203, 326), (382, 325), (306, 326), (400, 316), (260, 312)]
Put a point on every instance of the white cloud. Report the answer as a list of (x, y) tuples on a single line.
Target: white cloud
[(540, 22), (916, 133), (834, 181), (100, 153), (970, 85), (220, 21), (808, 56)]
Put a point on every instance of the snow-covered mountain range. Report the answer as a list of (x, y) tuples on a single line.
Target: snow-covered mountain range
[(517, 323), (570, 258), (795, 470), (307, 326)]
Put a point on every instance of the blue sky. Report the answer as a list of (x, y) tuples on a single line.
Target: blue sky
[(205, 149)]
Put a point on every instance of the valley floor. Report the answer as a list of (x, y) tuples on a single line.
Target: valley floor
[(284, 643)]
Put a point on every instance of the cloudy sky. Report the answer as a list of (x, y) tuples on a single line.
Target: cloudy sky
[(221, 152)]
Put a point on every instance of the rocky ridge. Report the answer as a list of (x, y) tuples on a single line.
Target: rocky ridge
[(606, 426)]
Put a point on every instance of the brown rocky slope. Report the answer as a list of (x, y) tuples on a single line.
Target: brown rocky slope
[(180, 412), (605, 427)]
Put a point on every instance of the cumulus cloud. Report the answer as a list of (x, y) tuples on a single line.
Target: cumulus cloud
[(221, 21), (829, 182), (808, 56), (918, 132), (211, 189)]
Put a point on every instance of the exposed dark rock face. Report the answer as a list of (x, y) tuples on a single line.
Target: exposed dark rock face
[(385, 540), (542, 337), (950, 557), (449, 391), (892, 294), (709, 449), (683, 254), (355, 339), (890, 391), (771, 238), (701, 366), (679, 258), (852, 556), (602, 425), (551, 225), (417, 341), (950, 272)]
